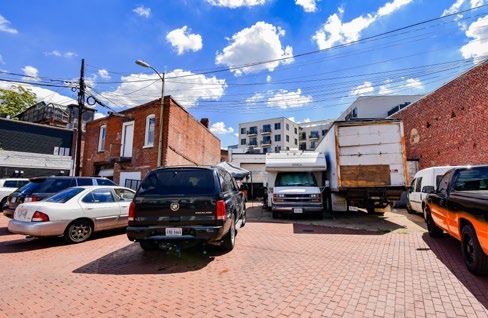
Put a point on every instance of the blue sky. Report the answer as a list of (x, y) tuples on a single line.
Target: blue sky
[(320, 54)]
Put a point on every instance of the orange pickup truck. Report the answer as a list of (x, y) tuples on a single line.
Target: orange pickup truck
[(460, 207)]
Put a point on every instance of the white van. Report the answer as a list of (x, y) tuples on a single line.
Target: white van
[(424, 182)]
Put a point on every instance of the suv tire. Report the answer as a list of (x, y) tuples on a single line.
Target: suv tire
[(229, 240), (474, 257)]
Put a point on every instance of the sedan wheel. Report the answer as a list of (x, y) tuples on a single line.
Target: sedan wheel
[(78, 231)]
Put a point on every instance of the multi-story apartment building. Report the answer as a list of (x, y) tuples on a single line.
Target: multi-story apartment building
[(312, 132), (269, 135)]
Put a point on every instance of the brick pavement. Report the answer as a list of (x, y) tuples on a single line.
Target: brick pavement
[(276, 270)]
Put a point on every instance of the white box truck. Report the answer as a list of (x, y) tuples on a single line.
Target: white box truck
[(295, 182), (367, 166)]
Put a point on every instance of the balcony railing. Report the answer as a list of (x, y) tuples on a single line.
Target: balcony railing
[(313, 136), (252, 132), (266, 142), (265, 131)]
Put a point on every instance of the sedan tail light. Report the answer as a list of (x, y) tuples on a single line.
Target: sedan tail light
[(221, 210), (132, 211), (40, 217)]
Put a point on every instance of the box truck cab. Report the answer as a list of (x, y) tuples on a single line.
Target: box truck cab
[(295, 182)]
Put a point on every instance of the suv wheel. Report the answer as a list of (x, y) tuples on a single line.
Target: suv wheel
[(230, 239), (78, 231), (148, 245), (474, 257)]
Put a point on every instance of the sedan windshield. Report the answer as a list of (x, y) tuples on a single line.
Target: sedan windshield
[(65, 195)]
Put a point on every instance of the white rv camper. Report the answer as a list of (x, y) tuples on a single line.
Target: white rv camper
[(295, 182)]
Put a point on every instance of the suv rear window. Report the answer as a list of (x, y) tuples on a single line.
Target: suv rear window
[(53, 185), (178, 183), (106, 182), (31, 187)]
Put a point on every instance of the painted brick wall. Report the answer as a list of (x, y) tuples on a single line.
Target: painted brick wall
[(450, 125), (185, 140)]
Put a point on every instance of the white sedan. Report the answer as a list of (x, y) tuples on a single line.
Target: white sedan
[(74, 213)]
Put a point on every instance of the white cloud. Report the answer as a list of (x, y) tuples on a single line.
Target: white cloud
[(236, 134), (4, 26), (104, 74), (99, 115), (292, 119), (389, 87), (236, 3), (219, 129), (334, 31), (268, 78), (143, 12), (31, 73), (363, 89), (43, 94), (137, 89), (478, 46), (184, 41), (285, 99), (57, 53), (460, 5), (260, 42), (308, 5)]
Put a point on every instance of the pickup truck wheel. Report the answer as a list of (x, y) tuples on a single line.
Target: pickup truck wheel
[(409, 208), (432, 228), (78, 231), (474, 257), (230, 239), (243, 217), (148, 245)]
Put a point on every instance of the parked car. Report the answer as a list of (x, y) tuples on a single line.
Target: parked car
[(41, 188), (424, 179), (181, 206), (459, 206), (74, 213), (9, 185)]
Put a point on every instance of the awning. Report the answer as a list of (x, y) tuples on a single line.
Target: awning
[(237, 172), (106, 173)]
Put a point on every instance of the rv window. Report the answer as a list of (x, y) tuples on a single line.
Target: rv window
[(289, 179)]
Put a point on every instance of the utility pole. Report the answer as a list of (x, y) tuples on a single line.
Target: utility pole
[(81, 106)]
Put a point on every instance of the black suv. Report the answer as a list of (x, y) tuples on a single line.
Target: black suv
[(182, 206), (40, 188)]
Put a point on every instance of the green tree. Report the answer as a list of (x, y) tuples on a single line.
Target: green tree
[(15, 100)]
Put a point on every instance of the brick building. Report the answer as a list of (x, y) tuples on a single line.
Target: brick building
[(124, 146), (450, 125)]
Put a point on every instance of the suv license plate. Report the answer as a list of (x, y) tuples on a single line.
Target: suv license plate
[(297, 210), (174, 231)]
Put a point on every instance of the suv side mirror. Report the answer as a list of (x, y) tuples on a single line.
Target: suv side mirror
[(428, 189)]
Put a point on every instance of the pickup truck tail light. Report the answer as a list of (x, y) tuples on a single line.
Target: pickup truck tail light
[(40, 217), (30, 199), (221, 210), (132, 211)]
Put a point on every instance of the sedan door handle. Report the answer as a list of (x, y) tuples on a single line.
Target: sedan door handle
[(89, 208)]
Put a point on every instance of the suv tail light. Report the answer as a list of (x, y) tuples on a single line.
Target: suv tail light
[(30, 199), (40, 217), (132, 211), (221, 210)]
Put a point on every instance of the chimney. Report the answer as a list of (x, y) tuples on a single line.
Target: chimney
[(205, 122)]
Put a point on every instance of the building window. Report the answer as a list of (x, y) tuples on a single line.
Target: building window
[(101, 138), (266, 150), (243, 142), (277, 137), (296, 141), (277, 126), (253, 130), (287, 138), (253, 141), (312, 145), (324, 131), (149, 137), (277, 149), (314, 134), (266, 128), (266, 140), (243, 130), (296, 130), (287, 148), (287, 126)]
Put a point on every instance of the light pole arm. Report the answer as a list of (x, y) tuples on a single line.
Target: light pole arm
[(160, 141)]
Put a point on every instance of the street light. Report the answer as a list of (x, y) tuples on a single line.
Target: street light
[(160, 143)]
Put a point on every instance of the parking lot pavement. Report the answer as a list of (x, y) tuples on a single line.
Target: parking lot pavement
[(288, 268)]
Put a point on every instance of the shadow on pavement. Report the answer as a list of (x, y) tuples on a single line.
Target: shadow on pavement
[(448, 251), (132, 260), (27, 244), (320, 229), (4, 231)]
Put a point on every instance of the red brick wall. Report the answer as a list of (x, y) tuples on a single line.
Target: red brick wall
[(186, 140), (450, 125)]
